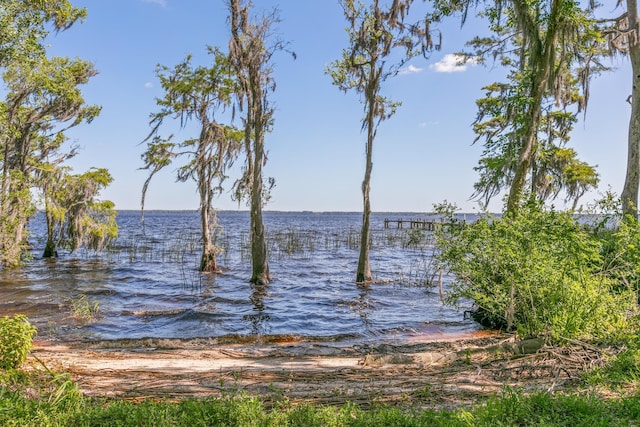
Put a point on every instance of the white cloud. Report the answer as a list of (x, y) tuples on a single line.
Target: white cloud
[(148, 85), (162, 3), (428, 124), (452, 63), (410, 70)]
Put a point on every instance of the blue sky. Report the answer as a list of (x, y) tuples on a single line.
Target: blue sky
[(423, 154)]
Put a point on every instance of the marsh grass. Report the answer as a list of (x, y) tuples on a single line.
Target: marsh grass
[(292, 242), (167, 248), (423, 270), (285, 243), (84, 310)]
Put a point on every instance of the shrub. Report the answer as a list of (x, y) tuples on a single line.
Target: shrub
[(620, 247), (16, 334), (538, 272)]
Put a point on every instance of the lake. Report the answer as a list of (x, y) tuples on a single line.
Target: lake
[(147, 284)]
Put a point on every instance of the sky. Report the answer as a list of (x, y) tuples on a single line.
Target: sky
[(422, 155)]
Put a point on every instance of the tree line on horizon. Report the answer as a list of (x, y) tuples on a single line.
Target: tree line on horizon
[(552, 49)]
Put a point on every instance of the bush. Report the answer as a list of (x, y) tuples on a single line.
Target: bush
[(621, 253), (538, 272), (16, 334)]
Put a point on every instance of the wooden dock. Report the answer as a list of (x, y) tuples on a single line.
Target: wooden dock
[(419, 224), (415, 224)]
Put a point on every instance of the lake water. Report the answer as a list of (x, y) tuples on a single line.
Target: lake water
[(147, 283)]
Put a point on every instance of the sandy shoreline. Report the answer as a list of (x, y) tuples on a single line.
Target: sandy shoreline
[(437, 373)]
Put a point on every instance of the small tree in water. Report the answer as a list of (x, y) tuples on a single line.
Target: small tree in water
[(374, 34), (200, 93), (75, 218)]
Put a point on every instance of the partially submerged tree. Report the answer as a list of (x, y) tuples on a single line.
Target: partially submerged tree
[(251, 48), (75, 217), (376, 34), (200, 94), (43, 100)]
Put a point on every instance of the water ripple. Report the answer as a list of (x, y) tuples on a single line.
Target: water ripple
[(147, 284)]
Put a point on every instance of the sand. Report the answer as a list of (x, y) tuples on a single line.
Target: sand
[(433, 372)]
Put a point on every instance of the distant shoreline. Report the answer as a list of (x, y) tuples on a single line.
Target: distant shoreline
[(299, 212)]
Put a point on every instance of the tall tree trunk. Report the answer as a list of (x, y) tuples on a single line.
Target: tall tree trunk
[(524, 160), (259, 260), (363, 273), (249, 57), (208, 262), (630, 191), (14, 242), (541, 59)]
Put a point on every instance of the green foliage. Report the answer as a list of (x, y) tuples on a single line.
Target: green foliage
[(621, 252), (43, 100), (509, 409), (554, 170), (75, 218), (514, 408), (23, 26), (414, 238), (551, 50), (624, 368), (16, 334), (537, 272)]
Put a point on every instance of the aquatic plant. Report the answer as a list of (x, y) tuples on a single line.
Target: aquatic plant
[(84, 310)]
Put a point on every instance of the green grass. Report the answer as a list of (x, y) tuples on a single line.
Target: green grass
[(69, 408)]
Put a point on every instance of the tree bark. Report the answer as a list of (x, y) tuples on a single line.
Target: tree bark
[(208, 263), (259, 264), (249, 58), (632, 179)]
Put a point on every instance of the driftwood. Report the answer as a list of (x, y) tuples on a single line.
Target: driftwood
[(506, 349)]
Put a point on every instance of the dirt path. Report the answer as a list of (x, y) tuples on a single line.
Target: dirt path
[(428, 374)]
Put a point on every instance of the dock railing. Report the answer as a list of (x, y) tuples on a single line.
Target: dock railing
[(416, 224)]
